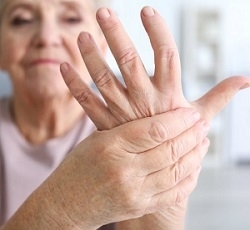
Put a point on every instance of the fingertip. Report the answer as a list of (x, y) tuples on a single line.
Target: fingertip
[(243, 82), (83, 37), (148, 11), (103, 14), (64, 67), (247, 85)]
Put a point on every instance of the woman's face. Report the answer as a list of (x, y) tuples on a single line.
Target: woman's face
[(37, 35)]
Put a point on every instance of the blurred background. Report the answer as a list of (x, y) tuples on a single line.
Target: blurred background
[(213, 38)]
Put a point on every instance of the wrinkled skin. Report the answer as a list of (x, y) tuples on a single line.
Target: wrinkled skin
[(142, 96), (130, 167), (140, 167)]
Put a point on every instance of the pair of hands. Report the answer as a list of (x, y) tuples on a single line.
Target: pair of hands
[(138, 168), (143, 166)]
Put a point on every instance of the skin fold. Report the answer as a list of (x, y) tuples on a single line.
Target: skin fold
[(139, 168), (142, 96)]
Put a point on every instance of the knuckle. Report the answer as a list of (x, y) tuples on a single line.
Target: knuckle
[(126, 189), (167, 53), (178, 172), (176, 149), (202, 149), (102, 77), (132, 204), (201, 131), (185, 123), (158, 132), (81, 96), (129, 190), (119, 174), (128, 56), (183, 192), (180, 196)]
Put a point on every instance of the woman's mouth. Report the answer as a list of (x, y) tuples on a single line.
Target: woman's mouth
[(45, 61)]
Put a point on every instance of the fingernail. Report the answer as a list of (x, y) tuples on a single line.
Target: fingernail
[(83, 37), (247, 85), (103, 13), (64, 67), (148, 11)]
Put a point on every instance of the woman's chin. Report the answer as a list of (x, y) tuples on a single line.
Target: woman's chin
[(47, 88)]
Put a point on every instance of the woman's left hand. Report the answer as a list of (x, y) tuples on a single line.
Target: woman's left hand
[(142, 96)]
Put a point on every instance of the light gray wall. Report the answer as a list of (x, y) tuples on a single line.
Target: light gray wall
[(5, 86)]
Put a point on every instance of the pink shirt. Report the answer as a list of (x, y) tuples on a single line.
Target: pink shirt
[(24, 166)]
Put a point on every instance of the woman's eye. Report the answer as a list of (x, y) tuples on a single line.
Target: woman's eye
[(73, 20), (21, 21)]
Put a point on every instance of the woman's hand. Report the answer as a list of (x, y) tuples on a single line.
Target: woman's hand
[(119, 174), (141, 96), (131, 170)]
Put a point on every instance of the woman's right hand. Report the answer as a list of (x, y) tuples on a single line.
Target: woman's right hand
[(131, 170)]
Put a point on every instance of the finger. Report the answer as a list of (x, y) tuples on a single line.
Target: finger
[(219, 96), (169, 177), (90, 102), (175, 195), (102, 75), (171, 151), (167, 63), (126, 55), (151, 132)]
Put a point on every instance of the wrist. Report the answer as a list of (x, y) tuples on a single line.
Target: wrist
[(61, 211), (40, 211)]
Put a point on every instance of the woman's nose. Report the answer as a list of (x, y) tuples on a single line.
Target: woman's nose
[(47, 34)]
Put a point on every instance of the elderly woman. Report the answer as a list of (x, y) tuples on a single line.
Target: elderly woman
[(139, 168)]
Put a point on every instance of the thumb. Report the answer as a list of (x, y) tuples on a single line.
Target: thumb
[(218, 97)]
